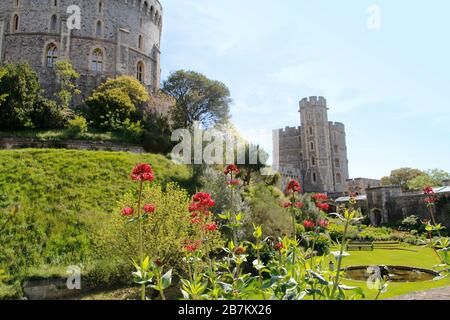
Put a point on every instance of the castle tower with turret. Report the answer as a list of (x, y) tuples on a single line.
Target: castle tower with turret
[(314, 153)]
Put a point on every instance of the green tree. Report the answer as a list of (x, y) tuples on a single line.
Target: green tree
[(401, 177), (432, 177), (3, 96), (251, 167), (198, 99), (20, 90), (67, 77), (114, 104)]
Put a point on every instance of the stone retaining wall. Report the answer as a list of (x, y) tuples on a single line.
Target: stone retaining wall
[(22, 143)]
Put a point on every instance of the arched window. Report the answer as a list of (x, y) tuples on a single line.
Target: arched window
[(337, 163), (338, 178), (54, 23), (15, 23), (51, 55), (97, 60), (99, 29), (140, 71)]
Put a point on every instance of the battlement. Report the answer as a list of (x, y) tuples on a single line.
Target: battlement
[(289, 131), (337, 125), (313, 102)]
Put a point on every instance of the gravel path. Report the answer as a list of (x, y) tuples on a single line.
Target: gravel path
[(435, 294)]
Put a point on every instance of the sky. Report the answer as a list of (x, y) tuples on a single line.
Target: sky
[(383, 66)]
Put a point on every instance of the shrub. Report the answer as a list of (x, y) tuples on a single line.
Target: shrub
[(321, 242), (22, 88), (47, 115), (165, 231), (114, 104), (76, 127), (410, 223), (265, 210)]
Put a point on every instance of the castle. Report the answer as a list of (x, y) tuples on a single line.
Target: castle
[(314, 153), (116, 37)]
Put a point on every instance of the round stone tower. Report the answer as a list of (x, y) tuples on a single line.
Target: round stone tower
[(102, 38)]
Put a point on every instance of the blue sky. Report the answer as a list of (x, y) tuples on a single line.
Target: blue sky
[(391, 87)]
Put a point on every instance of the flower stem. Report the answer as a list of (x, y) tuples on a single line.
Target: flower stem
[(141, 240), (339, 266)]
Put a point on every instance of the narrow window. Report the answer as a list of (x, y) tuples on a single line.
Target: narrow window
[(17, 3), (338, 178), (311, 146), (55, 3), (54, 23), (100, 6), (314, 177), (52, 55), (140, 43), (16, 23), (97, 60), (337, 163), (99, 29), (313, 161)]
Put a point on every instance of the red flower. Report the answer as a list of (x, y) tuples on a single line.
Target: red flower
[(158, 263), (149, 208), (286, 204), (293, 187), (127, 212), (324, 223), (428, 190), (143, 172), (431, 200), (202, 202), (240, 250), (279, 246), (298, 205), (309, 224), (320, 197), (192, 246), (234, 182), (211, 227), (196, 220), (233, 169), (323, 206)]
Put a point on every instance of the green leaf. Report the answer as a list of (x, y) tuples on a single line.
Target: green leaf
[(167, 280)]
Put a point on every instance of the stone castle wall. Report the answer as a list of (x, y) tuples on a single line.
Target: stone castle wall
[(122, 23)]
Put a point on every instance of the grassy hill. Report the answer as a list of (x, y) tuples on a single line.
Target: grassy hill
[(61, 195)]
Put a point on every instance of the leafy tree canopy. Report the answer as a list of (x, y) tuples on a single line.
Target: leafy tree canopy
[(198, 99), (414, 179)]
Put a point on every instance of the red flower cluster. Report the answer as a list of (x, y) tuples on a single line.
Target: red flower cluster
[(240, 250), (431, 196), (320, 197), (324, 223), (196, 220), (233, 169), (127, 212), (323, 206), (201, 203), (211, 227), (149, 208), (288, 204), (279, 246), (298, 205), (143, 172), (293, 187), (192, 246), (309, 224)]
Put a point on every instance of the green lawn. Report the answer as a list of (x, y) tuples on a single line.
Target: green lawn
[(418, 257)]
